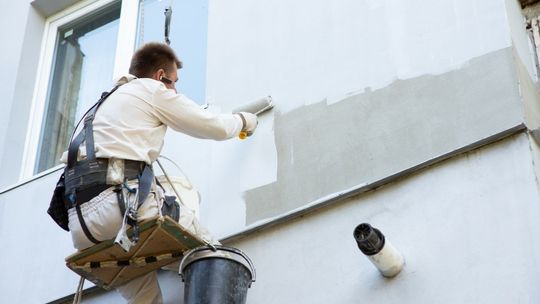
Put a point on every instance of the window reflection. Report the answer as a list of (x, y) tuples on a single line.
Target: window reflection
[(82, 69), (188, 34)]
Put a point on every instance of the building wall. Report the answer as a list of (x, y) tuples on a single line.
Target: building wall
[(466, 228), (33, 248), (363, 90), (23, 27), (366, 93)]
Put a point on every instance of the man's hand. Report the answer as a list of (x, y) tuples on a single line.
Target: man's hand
[(249, 124)]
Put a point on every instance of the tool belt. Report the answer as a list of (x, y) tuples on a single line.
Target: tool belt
[(90, 177), (87, 178), (89, 174)]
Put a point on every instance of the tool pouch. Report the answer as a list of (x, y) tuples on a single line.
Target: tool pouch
[(171, 208), (57, 207)]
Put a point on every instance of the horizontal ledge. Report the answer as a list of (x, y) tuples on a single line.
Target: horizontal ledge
[(33, 178)]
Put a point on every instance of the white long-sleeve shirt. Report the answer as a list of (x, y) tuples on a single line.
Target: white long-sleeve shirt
[(132, 122)]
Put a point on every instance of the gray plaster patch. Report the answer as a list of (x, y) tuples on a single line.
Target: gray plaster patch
[(324, 148)]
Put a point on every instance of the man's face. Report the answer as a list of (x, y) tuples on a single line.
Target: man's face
[(173, 77)]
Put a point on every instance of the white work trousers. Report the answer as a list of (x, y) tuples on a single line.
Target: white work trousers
[(103, 219)]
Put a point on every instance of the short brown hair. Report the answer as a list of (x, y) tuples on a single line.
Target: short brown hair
[(151, 57)]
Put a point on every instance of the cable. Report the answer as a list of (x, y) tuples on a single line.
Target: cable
[(78, 294), (170, 182), (168, 16)]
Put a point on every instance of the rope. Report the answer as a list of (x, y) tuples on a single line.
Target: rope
[(176, 192), (190, 184), (170, 182), (78, 294)]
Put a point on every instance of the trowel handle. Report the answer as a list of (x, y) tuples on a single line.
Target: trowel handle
[(243, 135)]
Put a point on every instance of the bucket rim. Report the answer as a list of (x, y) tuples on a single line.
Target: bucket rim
[(184, 263)]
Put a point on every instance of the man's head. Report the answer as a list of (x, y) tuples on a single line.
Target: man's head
[(158, 61)]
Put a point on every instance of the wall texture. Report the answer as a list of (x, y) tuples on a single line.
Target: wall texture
[(12, 61), (466, 228), (14, 143)]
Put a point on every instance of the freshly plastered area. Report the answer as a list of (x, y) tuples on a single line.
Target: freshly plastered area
[(324, 148)]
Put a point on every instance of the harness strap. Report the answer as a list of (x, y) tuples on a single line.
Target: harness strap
[(89, 132), (145, 178), (120, 199), (145, 182), (73, 149), (83, 225), (86, 133)]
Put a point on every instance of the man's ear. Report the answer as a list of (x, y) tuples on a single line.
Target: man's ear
[(158, 74)]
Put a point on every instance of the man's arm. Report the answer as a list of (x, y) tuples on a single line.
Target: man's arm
[(183, 115)]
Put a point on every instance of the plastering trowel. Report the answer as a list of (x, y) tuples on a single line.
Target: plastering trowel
[(257, 107)]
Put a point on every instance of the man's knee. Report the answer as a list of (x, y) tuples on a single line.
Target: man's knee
[(144, 289)]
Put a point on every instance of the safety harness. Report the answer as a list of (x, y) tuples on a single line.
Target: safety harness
[(86, 178)]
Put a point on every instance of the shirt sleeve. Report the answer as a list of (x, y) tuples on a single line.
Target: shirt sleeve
[(182, 114)]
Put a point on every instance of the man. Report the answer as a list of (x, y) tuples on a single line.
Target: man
[(128, 132)]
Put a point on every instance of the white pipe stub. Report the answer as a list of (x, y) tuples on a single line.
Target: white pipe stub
[(379, 250)]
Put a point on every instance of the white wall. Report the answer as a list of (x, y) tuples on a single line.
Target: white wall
[(33, 247), (466, 227), (11, 55), (305, 51), (18, 62)]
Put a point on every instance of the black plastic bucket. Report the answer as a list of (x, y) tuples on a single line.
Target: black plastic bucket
[(216, 275)]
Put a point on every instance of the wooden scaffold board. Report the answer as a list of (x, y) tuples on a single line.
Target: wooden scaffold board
[(162, 241)]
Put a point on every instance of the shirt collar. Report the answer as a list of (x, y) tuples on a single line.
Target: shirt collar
[(125, 79)]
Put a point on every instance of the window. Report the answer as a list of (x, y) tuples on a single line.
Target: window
[(83, 64), (89, 44)]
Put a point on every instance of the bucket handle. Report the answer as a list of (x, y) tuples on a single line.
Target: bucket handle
[(213, 248)]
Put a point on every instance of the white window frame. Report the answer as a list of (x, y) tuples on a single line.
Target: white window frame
[(127, 31)]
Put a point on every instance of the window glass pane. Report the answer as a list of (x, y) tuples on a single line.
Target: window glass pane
[(82, 68), (188, 32)]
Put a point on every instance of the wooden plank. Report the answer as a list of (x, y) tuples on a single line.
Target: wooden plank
[(159, 237)]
